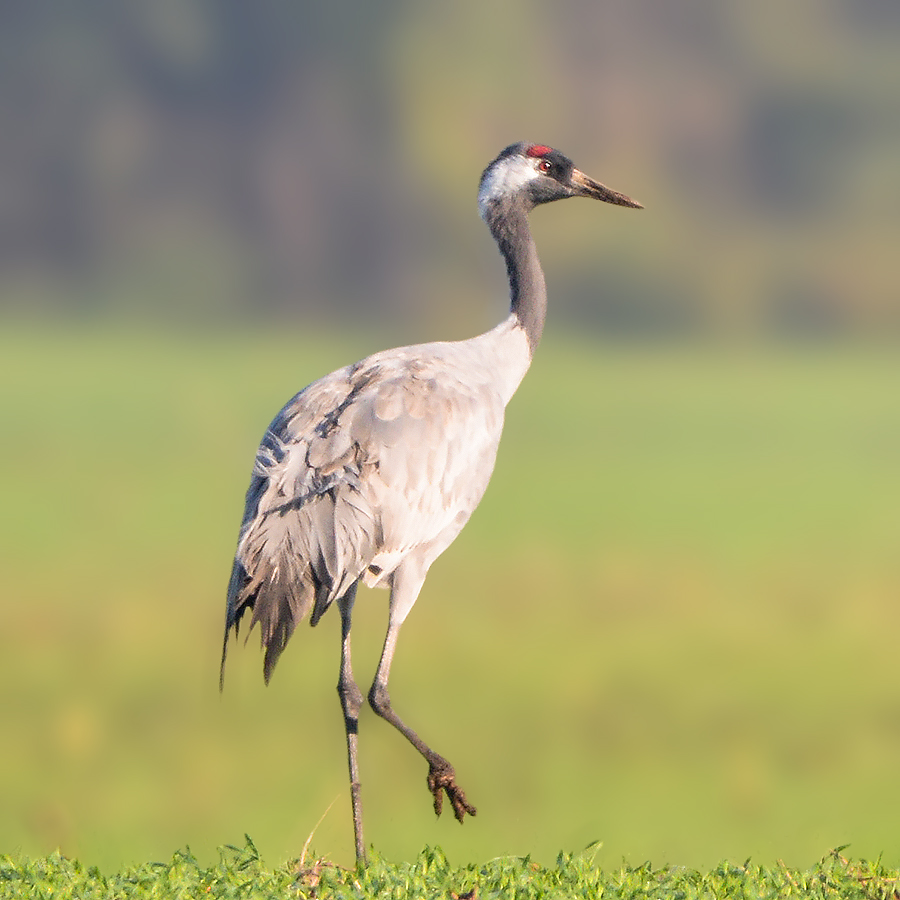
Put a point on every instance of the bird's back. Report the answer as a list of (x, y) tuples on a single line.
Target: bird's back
[(372, 464)]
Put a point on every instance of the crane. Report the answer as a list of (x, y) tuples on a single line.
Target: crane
[(369, 474)]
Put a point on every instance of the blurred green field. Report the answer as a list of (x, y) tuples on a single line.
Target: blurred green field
[(672, 625)]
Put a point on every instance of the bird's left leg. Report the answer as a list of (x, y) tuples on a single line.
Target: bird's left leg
[(441, 775), (351, 703)]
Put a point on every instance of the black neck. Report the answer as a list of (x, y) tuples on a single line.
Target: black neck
[(508, 223)]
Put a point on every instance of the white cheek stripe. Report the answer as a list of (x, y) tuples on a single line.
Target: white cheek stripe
[(504, 179)]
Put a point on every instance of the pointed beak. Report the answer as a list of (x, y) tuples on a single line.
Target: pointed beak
[(587, 187)]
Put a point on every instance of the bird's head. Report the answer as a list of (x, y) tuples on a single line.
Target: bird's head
[(532, 174)]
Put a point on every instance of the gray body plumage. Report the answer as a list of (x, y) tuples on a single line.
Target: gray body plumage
[(368, 474), (373, 468)]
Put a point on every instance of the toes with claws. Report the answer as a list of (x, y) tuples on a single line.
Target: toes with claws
[(441, 778)]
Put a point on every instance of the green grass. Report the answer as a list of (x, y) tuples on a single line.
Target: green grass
[(240, 873), (670, 627)]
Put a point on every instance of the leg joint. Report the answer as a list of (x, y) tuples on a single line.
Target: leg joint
[(379, 699), (351, 698)]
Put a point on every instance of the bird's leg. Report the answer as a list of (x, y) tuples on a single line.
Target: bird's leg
[(441, 776), (351, 702)]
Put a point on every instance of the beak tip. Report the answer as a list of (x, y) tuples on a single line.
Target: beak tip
[(617, 199)]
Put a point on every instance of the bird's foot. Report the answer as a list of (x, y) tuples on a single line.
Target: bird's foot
[(441, 778)]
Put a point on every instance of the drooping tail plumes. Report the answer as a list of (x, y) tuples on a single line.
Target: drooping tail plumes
[(294, 559)]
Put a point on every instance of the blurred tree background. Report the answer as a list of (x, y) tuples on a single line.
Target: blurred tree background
[(672, 623), (189, 160)]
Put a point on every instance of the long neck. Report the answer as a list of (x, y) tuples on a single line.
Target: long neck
[(508, 223)]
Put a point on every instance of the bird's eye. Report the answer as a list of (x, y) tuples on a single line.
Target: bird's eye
[(545, 166)]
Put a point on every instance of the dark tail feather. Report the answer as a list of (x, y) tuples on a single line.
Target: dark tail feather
[(277, 627), (233, 612), (241, 597), (222, 666), (280, 597)]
